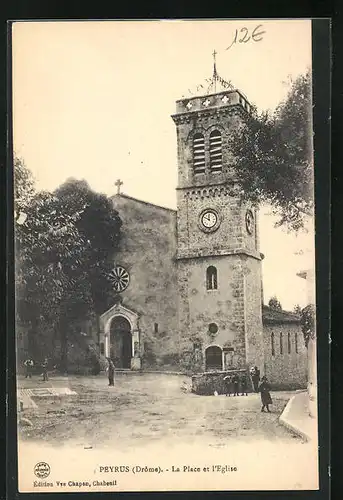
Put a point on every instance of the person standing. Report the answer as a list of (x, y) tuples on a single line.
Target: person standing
[(255, 377), (228, 385), (45, 370), (29, 366), (110, 372), (244, 385), (264, 389), (235, 381)]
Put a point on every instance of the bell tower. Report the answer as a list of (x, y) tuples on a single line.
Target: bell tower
[(218, 255)]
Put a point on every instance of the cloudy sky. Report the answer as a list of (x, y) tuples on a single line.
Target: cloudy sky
[(92, 100)]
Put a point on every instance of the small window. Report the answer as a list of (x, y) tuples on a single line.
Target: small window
[(199, 153), (216, 151), (272, 338), (212, 328), (211, 278), (289, 343), (156, 327), (281, 343), (296, 342), (102, 349)]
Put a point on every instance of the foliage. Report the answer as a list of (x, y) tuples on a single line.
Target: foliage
[(24, 187), (64, 248), (273, 157), (274, 303), (308, 322), (99, 225)]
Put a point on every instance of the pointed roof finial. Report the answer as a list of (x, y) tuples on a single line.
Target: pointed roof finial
[(214, 53)]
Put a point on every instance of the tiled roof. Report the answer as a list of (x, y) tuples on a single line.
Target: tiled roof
[(274, 316)]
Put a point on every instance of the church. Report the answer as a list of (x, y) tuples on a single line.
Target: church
[(189, 282)]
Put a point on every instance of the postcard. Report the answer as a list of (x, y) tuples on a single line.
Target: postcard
[(164, 255)]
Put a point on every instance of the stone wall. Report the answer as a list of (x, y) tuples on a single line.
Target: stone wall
[(235, 310), (253, 311), (285, 370), (147, 251)]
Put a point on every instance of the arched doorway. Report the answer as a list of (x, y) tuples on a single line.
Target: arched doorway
[(214, 358), (121, 342)]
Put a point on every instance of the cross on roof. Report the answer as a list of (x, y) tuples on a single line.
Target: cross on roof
[(118, 183)]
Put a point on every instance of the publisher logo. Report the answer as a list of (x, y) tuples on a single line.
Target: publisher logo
[(42, 469)]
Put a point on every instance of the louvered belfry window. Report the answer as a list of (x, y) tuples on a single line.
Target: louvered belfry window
[(216, 151), (199, 153)]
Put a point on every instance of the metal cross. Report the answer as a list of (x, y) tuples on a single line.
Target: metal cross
[(118, 183), (206, 103), (214, 53), (225, 99), (189, 105)]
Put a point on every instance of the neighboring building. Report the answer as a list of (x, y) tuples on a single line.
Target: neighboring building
[(312, 388), (285, 352), (189, 281)]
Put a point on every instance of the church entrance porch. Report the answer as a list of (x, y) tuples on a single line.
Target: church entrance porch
[(120, 342)]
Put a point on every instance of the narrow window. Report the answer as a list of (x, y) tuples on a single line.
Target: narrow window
[(273, 344), (216, 151), (211, 278), (296, 342), (281, 343), (156, 327), (102, 348), (199, 153), (289, 343)]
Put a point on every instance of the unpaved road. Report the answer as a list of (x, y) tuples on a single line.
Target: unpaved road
[(145, 408)]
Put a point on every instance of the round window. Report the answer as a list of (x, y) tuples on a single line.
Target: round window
[(212, 328)]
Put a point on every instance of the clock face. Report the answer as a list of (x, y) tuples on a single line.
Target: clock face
[(249, 221), (209, 219)]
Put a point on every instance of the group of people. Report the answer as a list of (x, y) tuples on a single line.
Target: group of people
[(29, 368), (235, 382)]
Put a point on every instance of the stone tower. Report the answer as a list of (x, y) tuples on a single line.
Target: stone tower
[(218, 256)]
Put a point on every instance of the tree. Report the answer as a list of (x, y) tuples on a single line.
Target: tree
[(64, 249), (47, 243), (99, 224), (273, 157), (274, 303), (308, 323), (24, 187)]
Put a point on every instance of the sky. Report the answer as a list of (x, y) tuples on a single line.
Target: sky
[(93, 100)]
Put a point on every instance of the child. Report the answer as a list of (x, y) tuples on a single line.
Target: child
[(228, 383), (244, 385), (235, 381)]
